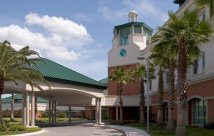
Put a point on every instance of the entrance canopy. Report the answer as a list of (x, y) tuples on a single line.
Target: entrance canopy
[(67, 87)]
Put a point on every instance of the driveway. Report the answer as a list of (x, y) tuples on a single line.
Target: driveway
[(79, 129)]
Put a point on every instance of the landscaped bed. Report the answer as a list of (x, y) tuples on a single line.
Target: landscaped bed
[(162, 131), (11, 129)]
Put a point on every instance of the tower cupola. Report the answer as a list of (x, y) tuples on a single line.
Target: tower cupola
[(133, 16)]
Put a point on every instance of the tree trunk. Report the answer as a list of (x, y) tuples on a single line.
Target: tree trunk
[(171, 91), (160, 98), (1, 113), (181, 88), (12, 108), (181, 129), (170, 123), (121, 103), (142, 102), (1, 92)]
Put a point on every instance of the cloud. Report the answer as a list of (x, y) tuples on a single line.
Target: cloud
[(58, 25), (64, 41), (20, 37)]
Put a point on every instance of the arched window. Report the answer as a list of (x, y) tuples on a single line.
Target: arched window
[(198, 111)]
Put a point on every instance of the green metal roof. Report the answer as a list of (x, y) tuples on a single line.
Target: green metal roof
[(104, 81), (134, 23), (18, 99), (53, 71)]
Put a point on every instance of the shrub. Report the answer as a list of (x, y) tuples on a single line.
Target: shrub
[(61, 114), (209, 125), (44, 114), (124, 122), (12, 127), (17, 127)]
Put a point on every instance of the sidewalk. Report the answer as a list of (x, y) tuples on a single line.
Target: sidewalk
[(129, 131)]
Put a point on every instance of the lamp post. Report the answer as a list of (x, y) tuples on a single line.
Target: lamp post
[(148, 89)]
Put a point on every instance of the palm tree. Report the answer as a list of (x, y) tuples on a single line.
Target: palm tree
[(185, 32), (164, 45), (121, 77), (15, 66), (210, 3), (159, 60), (140, 74), (12, 108)]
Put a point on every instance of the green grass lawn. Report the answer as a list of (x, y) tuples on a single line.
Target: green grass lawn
[(162, 131)]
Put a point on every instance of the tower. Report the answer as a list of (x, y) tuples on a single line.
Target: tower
[(128, 40)]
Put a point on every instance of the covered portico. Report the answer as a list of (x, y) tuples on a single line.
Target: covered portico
[(66, 88)]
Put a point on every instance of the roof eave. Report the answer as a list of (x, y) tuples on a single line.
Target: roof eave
[(75, 83)]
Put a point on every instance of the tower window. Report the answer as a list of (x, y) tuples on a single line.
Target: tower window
[(137, 29), (124, 38)]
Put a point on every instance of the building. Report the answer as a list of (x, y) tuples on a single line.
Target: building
[(65, 88), (129, 41)]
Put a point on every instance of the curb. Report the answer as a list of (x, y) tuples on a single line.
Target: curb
[(133, 132), (125, 134), (29, 134)]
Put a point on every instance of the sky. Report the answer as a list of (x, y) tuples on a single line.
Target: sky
[(75, 33)]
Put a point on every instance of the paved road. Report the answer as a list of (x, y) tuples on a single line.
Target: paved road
[(79, 130)]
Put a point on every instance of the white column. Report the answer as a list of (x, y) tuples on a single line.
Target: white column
[(69, 112), (99, 110), (27, 109), (24, 108), (50, 110), (96, 112), (116, 113), (33, 109)]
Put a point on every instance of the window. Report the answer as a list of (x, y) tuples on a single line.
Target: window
[(203, 62), (198, 112), (199, 65), (146, 32), (137, 29), (116, 32), (124, 38), (150, 83), (195, 67)]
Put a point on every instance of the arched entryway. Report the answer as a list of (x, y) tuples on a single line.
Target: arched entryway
[(197, 111)]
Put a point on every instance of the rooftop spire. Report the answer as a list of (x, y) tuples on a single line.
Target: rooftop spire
[(133, 16)]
